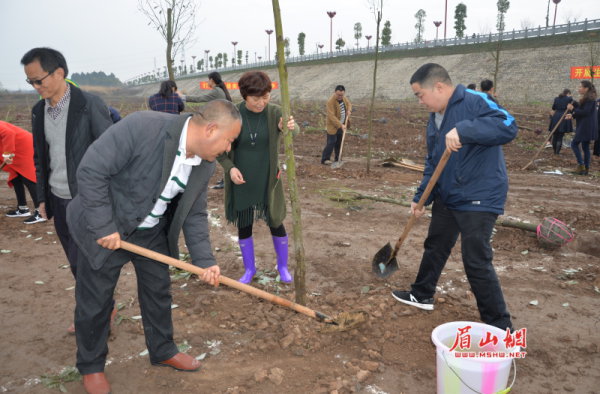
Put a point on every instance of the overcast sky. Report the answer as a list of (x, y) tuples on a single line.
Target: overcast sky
[(113, 35)]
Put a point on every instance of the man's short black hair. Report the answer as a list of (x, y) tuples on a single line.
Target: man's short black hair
[(217, 111), (50, 59), (340, 87), (472, 86), (486, 85), (430, 73)]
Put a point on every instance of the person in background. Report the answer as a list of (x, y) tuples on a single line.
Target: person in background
[(16, 146), (487, 87), (470, 193), (219, 91), (166, 100), (338, 109), (172, 159), (472, 86), (558, 109), (585, 112), (596, 151), (253, 185), (64, 122)]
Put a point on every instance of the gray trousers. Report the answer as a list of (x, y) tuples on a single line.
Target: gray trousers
[(94, 302)]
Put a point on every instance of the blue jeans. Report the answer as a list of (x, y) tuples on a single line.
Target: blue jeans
[(585, 145), (334, 142), (475, 229)]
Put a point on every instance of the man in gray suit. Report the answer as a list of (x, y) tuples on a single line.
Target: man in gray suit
[(144, 180)]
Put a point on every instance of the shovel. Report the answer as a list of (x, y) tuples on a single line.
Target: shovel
[(384, 263), (339, 162), (546, 140), (228, 281)]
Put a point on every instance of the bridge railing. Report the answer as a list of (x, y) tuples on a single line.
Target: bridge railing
[(574, 27)]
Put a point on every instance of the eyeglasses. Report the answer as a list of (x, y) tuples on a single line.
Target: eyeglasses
[(39, 81)]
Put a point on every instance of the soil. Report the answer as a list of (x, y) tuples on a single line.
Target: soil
[(253, 346)]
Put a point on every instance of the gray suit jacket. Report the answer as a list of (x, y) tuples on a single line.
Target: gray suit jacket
[(120, 179), (215, 94)]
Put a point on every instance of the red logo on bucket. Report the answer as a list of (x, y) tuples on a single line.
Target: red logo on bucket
[(462, 342)]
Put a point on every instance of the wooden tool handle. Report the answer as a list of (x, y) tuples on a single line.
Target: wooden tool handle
[(343, 137), (545, 141), (225, 280), (430, 185)]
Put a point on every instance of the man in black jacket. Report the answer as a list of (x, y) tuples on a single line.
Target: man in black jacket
[(65, 122)]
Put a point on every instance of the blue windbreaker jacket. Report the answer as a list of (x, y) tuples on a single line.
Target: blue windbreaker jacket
[(475, 177)]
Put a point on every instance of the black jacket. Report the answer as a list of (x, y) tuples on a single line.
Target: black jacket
[(87, 119), (560, 106), (586, 115)]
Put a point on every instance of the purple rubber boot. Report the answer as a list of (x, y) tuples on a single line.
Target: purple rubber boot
[(281, 248), (247, 248)]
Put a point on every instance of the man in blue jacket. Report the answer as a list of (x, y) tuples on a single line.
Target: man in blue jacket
[(470, 193)]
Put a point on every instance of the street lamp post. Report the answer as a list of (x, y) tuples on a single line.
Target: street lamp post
[(445, 18), (194, 63), (437, 25), (234, 43), (269, 31), (206, 58), (331, 14), (368, 40), (321, 48), (555, 7), (182, 66)]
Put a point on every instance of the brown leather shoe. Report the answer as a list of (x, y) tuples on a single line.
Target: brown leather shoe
[(96, 383), (181, 362), (113, 315)]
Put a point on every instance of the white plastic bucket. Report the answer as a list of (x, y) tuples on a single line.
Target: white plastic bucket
[(485, 374)]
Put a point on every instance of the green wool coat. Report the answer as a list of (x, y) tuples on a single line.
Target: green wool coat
[(276, 209)]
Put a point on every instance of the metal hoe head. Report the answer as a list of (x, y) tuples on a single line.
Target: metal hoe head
[(337, 164), (383, 265)]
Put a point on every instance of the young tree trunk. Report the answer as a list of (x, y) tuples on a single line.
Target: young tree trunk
[(496, 56), (170, 43), (371, 107), (300, 271)]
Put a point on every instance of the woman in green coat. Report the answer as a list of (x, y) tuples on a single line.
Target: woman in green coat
[(253, 186)]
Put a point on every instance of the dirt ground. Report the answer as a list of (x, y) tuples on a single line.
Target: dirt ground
[(253, 346)]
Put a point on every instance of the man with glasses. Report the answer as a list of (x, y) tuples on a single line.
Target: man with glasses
[(64, 123)]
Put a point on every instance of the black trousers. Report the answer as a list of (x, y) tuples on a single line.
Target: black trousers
[(475, 229), (557, 141), (94, 295), (19, 183), (59, 210), (334, 142), (246, 232)]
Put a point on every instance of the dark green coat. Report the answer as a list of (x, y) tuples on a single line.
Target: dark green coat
[(276, 200)]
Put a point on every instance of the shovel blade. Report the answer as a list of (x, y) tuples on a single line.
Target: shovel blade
[(382, 265)]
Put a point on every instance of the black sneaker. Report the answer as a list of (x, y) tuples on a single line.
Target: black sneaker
[(18, 213), (35, 218), (407, 298)]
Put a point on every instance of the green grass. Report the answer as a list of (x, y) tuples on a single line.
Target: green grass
[(69, 374)]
